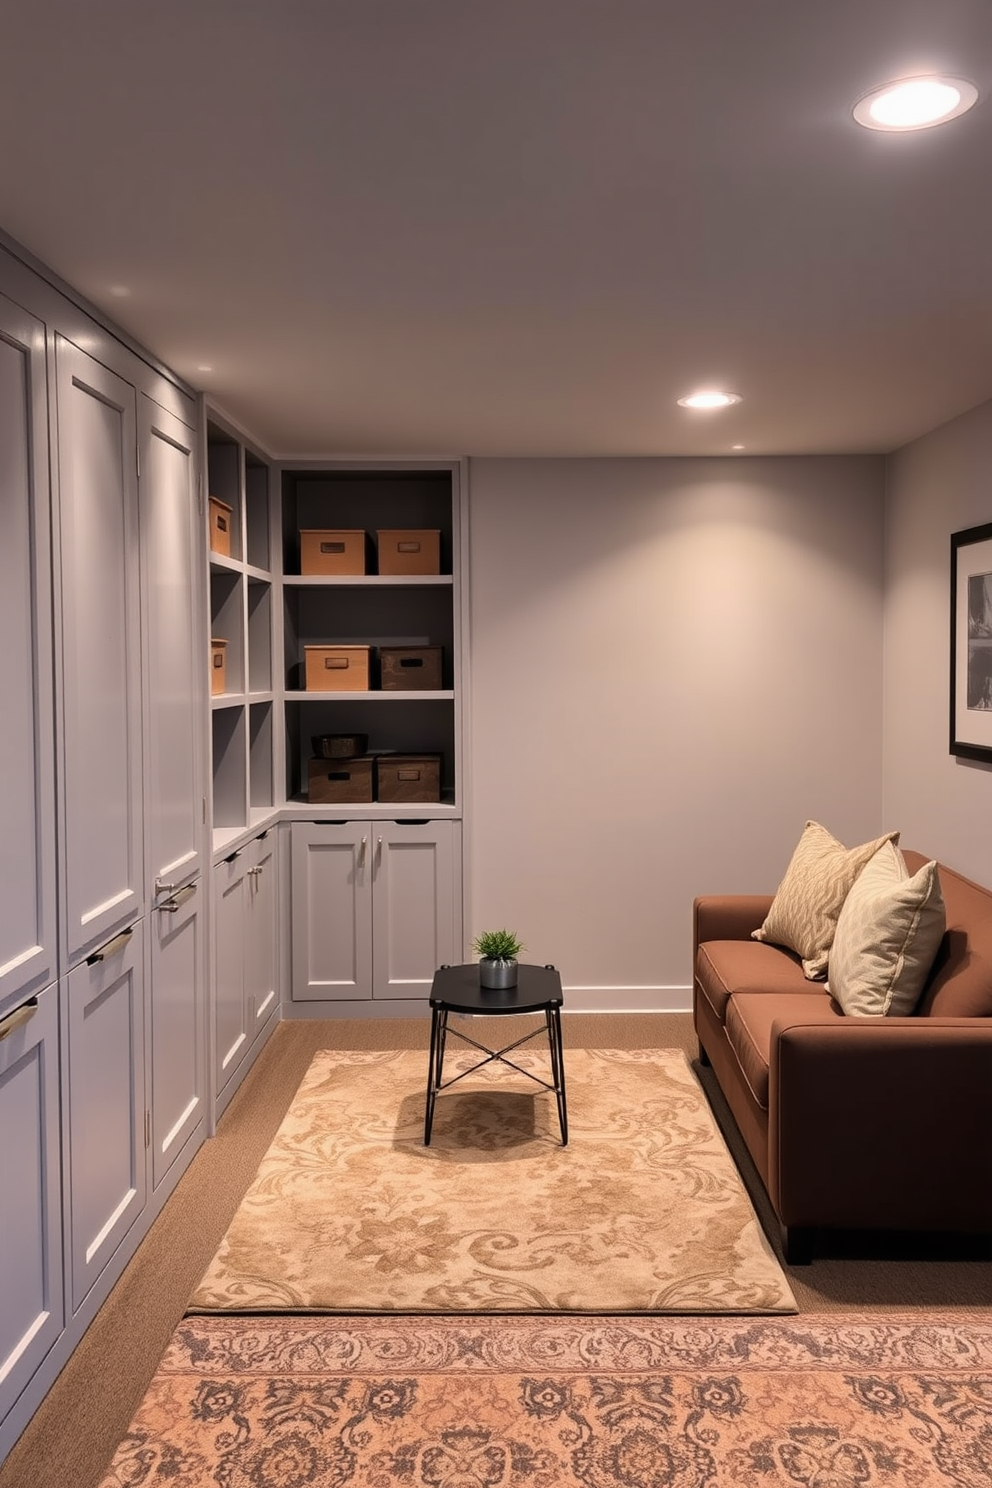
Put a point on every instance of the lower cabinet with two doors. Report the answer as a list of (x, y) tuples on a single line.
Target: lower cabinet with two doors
[(245, 955), (376, 908)]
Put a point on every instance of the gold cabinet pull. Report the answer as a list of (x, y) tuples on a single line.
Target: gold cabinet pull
[(112, 948), (18, 1017)]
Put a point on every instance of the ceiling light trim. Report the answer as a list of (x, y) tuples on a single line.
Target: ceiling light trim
[(906, 105), (708, 400)]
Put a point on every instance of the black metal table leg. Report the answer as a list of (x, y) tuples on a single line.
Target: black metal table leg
[(433, 1074), (558, 1069)]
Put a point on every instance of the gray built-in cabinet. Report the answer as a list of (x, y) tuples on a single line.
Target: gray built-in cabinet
[(169, 891), (104, 1090)]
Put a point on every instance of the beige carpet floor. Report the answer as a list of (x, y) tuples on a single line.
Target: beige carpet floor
[(643, 1211), (841, 1402)]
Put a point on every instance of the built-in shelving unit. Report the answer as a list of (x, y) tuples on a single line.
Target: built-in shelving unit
[(374, 610), (242, 610), (267, 612)]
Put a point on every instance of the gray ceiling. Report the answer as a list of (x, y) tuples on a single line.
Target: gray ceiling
[(524, 227)]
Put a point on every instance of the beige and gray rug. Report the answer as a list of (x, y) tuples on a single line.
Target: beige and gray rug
[(643, 1211)]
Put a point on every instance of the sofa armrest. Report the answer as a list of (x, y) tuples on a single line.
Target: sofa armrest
[(727, 917), (881, 1123)]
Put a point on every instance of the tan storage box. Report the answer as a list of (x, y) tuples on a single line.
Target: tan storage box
[(330, 552), (218, 667), (409, 550), (410, 668), (408, 777), (337, 668), (339, 780), (220, 527)]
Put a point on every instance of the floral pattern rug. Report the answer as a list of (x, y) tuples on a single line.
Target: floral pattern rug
[(643, 1211), (522, 1402)]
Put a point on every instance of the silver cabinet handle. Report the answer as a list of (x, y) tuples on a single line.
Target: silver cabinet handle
[(361, 852), (175, 903), (112, 948), (378, 851), (18, 1017)]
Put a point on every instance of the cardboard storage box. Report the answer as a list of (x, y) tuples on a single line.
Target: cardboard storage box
[(337, 668), (339, 746), (408, 777), (331, 781), (218, 667), (413, 550), (220, 527), (333, 552), (410, 668)]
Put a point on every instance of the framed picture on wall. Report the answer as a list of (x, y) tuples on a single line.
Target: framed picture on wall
[(971, 643)]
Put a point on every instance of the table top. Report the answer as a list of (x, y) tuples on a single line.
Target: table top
[(457, 988)]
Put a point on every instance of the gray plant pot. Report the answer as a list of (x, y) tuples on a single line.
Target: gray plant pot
[(497, 974)]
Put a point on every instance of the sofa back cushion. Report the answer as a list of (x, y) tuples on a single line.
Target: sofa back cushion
[(960, 982), (887, 936)]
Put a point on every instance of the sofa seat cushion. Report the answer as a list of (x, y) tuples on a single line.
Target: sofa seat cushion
[(727, 966), (750, 1016)]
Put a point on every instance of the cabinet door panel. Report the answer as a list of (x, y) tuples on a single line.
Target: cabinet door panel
[(31, 1303), (174, 651), (176, 1011), (100, 649), (106, 1105), (230, 905), (413, 914), (260, 940), (332, 911), (27, 773)]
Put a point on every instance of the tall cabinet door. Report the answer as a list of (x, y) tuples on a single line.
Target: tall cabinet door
[(332, 910), (27, 774), (261, 937), (178, 1073), (100, 660), (229, 918), (31, 1306), (174, 650), (106, 1103), (414, 916)]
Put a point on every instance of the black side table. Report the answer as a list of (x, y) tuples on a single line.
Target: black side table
[(456, 989)]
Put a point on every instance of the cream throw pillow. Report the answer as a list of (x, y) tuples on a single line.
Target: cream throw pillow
[(808, 901), (888, 934)]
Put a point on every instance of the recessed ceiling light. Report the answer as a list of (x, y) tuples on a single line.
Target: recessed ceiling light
[(738, 446), (205, 367), (119, 291), (915, 103), (709, 398)]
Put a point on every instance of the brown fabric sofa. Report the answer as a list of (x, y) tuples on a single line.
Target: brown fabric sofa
[(854, 1123)]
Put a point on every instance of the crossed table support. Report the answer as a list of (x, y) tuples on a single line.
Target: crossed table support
[(456, 989)]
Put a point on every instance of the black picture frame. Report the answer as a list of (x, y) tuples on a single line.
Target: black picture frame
[(971, 643)]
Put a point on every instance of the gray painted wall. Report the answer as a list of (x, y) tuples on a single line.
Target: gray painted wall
[(674, 663), (940, 484)]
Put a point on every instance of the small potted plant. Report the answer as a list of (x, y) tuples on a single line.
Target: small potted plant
[(498, 951)]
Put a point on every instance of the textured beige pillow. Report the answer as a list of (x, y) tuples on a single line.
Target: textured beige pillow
[(808, 901), (888, 934)]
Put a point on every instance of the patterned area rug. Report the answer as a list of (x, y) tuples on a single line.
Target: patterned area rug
[(643, 1211), (828, 1402)]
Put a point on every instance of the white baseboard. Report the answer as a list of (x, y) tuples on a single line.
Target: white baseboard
[(627, 1000)]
